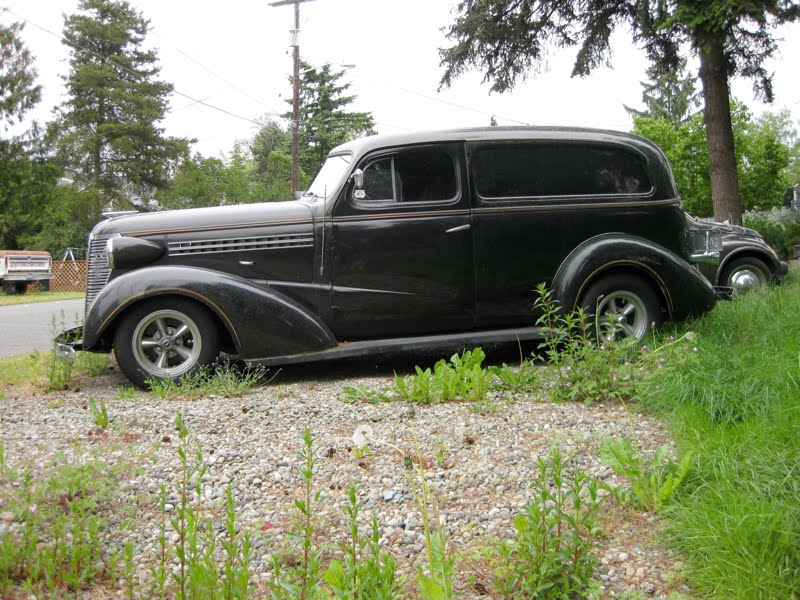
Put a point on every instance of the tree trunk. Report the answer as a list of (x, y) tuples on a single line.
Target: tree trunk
[(719, 132)]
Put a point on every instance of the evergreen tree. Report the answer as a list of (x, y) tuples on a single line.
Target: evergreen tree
[(506, 38), (668, 95), (107, 129), (18, 93), (324, 122)]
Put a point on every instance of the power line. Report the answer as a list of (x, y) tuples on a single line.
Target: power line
[(127, 70), (442, 101)]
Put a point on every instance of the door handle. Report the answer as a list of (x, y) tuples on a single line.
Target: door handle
[(459, 228)]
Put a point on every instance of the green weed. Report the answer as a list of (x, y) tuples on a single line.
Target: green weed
[(223, 380), (462, 378), (367, 572), (552, 554), (99, 414), (652, 484)]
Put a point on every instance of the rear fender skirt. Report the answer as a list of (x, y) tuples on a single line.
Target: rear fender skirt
[(260, 321), (684, 290)]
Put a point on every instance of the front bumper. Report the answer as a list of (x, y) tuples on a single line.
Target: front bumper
[(67, 343), (781, 270)]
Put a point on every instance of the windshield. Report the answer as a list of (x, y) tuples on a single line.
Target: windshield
[(330, 175)]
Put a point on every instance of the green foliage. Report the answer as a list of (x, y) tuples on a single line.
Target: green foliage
[(56, 549), (107, 129), (668, 95), (324, 121), (302, 580), (653, 484), (27, 181), (367, 571), (462, 378), (735, 407), (779, 226), (223, 379), (765, 149), (18, 93), (99, 414), (583, 370), (552, 554)]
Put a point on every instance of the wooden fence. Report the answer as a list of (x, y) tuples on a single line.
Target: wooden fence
[(70, 276)]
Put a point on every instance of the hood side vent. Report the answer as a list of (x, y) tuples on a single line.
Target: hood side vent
[(272, 242)]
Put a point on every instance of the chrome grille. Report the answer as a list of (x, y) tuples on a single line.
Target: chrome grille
[(98, 271), (272, 242)]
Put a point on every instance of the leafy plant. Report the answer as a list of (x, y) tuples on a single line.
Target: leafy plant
[(361, 393), (582, 369), (552, 554), (126, 393), (367, 571), (302, 580), (462, 378), (653, 484), (99, 414)]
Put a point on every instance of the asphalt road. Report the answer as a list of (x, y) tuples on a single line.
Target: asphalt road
[(25, 328)]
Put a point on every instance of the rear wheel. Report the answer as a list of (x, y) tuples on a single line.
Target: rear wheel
[(165, 339), (625, 307)]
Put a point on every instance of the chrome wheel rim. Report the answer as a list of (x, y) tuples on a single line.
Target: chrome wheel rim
[(167, 343), (746, 278), (622, 315)]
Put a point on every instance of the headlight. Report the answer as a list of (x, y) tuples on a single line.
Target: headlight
[(130, 253)]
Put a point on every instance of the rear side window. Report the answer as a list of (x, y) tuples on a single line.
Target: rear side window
[(526, 169), (412, 175)]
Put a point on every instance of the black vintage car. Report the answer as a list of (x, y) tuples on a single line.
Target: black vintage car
[(746, 260), (402, 242)]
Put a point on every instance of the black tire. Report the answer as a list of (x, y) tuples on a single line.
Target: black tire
[(745, 273), (9, 288), (44, 286), (630, 300), (21, 287), (147, 347)]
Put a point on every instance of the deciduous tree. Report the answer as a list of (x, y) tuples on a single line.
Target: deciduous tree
[(507, 38)]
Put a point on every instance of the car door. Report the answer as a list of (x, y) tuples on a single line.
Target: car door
[(403, 259)]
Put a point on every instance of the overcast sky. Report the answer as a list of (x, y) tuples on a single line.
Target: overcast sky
[(235, 55)]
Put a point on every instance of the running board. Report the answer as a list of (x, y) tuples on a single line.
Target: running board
[(467, 340)]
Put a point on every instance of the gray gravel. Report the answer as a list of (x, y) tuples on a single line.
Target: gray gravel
[(480, 466)]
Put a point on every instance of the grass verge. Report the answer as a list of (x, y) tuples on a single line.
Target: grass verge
[(735, 404), (9, 299)]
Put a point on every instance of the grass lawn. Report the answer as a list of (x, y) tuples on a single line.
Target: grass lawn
[(735, 403), (9, 299)]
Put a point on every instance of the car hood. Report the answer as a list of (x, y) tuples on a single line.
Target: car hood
[(208, 219), (726, 229)]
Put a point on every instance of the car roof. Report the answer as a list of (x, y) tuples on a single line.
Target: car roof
[(473, 134)]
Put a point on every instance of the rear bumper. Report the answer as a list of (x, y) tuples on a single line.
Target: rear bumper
[(28, 277)]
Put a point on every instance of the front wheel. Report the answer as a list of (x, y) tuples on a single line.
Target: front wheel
[(746, 273), (626, 307), (165, 339)]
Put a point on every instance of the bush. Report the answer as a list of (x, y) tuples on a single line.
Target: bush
[(779, 226)]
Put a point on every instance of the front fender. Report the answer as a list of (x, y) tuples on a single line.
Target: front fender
[(684, 290), (261, 321)]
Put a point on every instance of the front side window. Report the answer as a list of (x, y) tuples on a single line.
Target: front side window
[(417, 175), (546, 169)]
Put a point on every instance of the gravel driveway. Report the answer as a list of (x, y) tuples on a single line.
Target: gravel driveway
[(480, 465)]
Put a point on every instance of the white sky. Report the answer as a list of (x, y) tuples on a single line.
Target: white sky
[(235, 55)]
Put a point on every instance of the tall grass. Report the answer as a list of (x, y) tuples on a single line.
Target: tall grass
[(736, 405)]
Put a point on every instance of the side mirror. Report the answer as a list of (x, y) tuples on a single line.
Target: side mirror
[(358, 178)]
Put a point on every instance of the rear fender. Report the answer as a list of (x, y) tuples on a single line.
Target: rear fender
[(260, 321), (683, 289)]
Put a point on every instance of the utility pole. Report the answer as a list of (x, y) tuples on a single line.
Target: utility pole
[(295, 124)]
